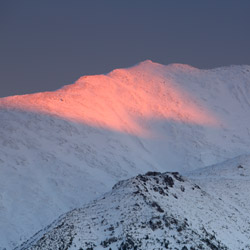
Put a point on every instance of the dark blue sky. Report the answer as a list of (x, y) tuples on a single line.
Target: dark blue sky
[(47, 44)]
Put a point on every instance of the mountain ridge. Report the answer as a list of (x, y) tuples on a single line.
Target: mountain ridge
[(59, 152), (151, 211)]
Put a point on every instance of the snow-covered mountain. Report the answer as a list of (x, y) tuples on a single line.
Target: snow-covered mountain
[(152, 211), (61, 149)]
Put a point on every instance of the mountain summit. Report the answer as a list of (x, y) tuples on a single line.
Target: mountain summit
[(62, 149), (122, 100), (151, 211)]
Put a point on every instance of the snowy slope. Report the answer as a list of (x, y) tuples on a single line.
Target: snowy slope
[(152, 211), (229, 181), (61, 149)]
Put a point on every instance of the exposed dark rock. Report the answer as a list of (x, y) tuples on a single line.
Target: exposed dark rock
[(153, 173), (168, 181)]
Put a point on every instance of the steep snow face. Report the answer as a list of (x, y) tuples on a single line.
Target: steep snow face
[(61, 149), (152, 211)]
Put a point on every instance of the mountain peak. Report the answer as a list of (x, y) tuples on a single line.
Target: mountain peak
[(147, 61), (144, 212), (147, 64), (147, 91)]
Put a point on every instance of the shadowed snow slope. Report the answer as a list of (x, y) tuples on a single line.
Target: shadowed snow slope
[(152, 211), (61, 149), (229, 181)]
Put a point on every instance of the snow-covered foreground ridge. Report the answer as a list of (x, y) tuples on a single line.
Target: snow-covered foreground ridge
[(61, 149), (153, 211)]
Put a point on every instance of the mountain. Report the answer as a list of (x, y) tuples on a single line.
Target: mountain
[(62, 149), (151, 211)]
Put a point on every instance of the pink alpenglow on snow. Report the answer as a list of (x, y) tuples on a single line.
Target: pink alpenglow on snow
[(123, 100)]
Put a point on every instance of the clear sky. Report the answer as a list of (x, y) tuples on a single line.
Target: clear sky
[(47, 44)]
